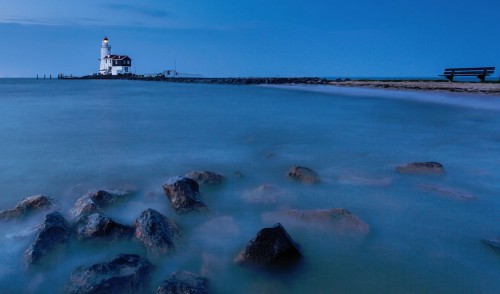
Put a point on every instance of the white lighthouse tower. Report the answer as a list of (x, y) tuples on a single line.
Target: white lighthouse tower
[(104, 69)]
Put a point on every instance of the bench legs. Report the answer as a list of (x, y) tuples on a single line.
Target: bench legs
[(481, 77), (450, 78)]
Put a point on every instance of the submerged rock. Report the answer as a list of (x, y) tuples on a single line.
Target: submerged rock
[(157, 232), (184, 195), (29, 205), (127, 273), (271, 247), (421, 168), (95, 201), (337, 220), (98, 226), (238, 175), (184, 282), (447, 192), (264, 194), (303, 174), (495, 244), (53, 235), (205, 177)]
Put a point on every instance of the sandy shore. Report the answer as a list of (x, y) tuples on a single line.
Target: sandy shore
[(474, 88)]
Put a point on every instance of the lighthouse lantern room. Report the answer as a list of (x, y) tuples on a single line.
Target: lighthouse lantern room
[(111, 64)]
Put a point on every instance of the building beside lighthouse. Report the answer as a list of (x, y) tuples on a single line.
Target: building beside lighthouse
[(111, 64)]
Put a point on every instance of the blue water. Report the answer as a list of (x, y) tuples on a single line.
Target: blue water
[(62, 138)]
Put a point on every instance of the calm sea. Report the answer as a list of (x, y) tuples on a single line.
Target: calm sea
[(62, 138)]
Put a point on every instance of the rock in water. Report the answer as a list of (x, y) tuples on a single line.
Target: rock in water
[(95, 201), (337, 220), (421, 168), (205, 177), (495, 244), (271, 247), (303, 174), (157, 232), (127, 273), (98, 226), (52, 236), (29, 205), (183, 194), (184, 282)]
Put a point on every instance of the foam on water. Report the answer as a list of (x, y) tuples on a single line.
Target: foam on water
[(63, 138)]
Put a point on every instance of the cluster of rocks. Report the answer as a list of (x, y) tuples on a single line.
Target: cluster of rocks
[(128, 273), (131, 273)]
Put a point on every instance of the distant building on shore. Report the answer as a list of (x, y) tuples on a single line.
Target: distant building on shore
[(113, 64)]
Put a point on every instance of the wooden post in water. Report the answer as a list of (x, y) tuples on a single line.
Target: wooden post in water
[(37, 76)]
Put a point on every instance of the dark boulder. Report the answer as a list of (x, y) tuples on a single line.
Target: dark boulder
[(421, 168), (205, 177), (29, 205), (271, 247), (185, 283), (97, 226), (53, 236), (127, 273), (95, 201), (184, 195), (303, 174), (157, 232)]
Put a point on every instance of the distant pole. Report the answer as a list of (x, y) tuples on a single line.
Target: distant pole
[(44, 77), (51, 76), (37, 76)]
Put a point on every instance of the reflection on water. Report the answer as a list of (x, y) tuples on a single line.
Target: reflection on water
[(63, 138)]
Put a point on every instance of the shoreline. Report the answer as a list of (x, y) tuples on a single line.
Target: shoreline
[(487, 88)]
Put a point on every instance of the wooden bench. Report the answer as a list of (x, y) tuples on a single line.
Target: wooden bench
[(479, 72)]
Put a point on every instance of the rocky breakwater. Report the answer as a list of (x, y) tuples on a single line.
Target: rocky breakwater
[(53, 235), (99, 227), (430, 167), (271, 247), (303, 174), (205, 177), (127, 273), (95, 201), (184, 195), (28, 206), (157, 232), (184, 282)]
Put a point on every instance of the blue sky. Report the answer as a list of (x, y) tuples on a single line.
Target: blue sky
[(251, 38)]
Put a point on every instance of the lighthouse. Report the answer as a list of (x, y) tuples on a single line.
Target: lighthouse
[(113, 64), (105, 51)]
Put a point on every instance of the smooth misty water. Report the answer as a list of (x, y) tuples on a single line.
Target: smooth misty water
[(62, 138)]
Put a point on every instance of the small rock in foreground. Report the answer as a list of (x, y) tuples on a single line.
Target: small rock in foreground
[(205, 177), (184, 282), (184, 195), (98, 226), (156, 231), (303, 174), (271, 247), (127, 273), (29, 205), (421, 168), (52, 236), (94, 201)]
